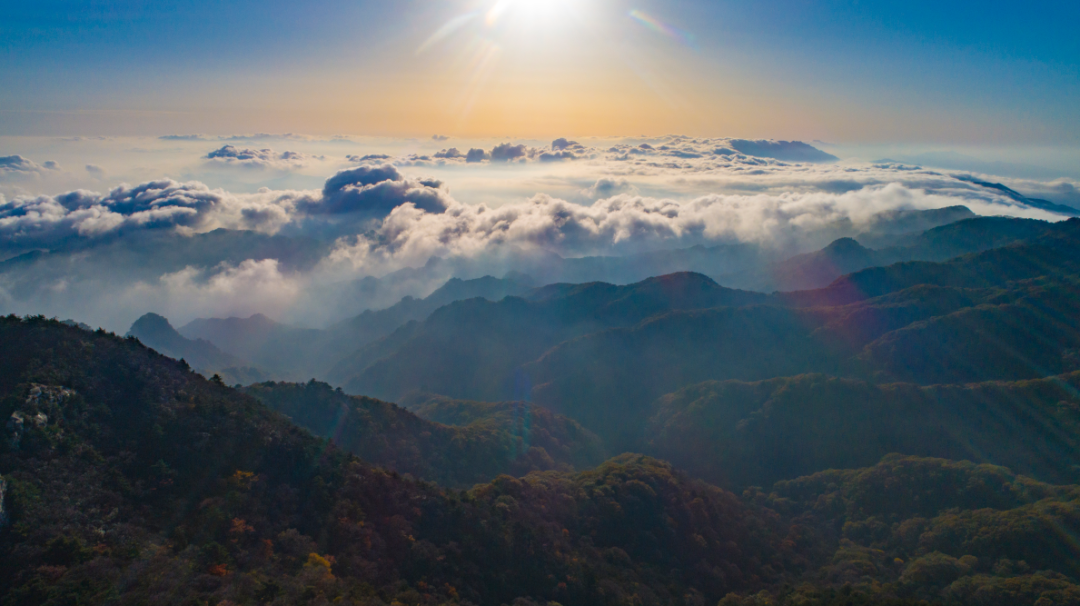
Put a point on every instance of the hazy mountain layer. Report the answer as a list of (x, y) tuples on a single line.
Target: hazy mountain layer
[(297, 353), (286, 352), (156, 332), (820, 268), (474, 346), (601, 354)]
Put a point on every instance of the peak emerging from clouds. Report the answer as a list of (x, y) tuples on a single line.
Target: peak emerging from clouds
[(791, 151)]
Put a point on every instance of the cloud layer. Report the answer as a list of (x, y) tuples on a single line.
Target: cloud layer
[(418, 214), (382, 215), (625, 224), (671, 147)]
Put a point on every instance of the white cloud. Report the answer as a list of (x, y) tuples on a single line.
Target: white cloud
[(374, 191), (259, 158), (18, 165)]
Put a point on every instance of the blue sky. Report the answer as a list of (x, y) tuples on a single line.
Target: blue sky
[(851, 71)]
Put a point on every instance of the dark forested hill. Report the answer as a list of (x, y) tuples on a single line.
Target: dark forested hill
[(526, 439), (133, 480), (148, 483), (735, 433), (930, 531)]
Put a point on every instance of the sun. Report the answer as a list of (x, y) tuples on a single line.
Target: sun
[(530, 13)]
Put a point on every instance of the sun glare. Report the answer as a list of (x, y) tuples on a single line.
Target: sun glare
[(543, 9), (529, 13)]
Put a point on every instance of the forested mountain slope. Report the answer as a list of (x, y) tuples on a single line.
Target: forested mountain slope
[(923, 335), (152, 484), (146, 483), (383, 434), (736, 434), (928, 531)]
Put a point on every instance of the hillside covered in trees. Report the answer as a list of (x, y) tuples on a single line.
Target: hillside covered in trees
[(493, 442), (143, 482)]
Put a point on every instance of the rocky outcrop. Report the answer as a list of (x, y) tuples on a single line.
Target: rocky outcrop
[(40, 396)]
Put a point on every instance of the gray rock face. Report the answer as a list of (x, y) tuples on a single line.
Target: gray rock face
[(15, 426)]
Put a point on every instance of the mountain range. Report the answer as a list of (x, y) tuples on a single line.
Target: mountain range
[(289, 353), (896, 424), (147, 483)]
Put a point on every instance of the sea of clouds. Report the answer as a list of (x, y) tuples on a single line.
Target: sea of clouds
[(387, 206)]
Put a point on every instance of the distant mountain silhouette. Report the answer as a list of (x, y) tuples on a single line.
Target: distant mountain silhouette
[(372, 325), (893, 227), (156, 332), (816, 269), (1032, 202), (283, 351), (790, 151), (1048, 249), (846, 255)]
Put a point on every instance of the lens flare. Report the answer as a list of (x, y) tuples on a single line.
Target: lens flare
[(446, 31), (658, 26)]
